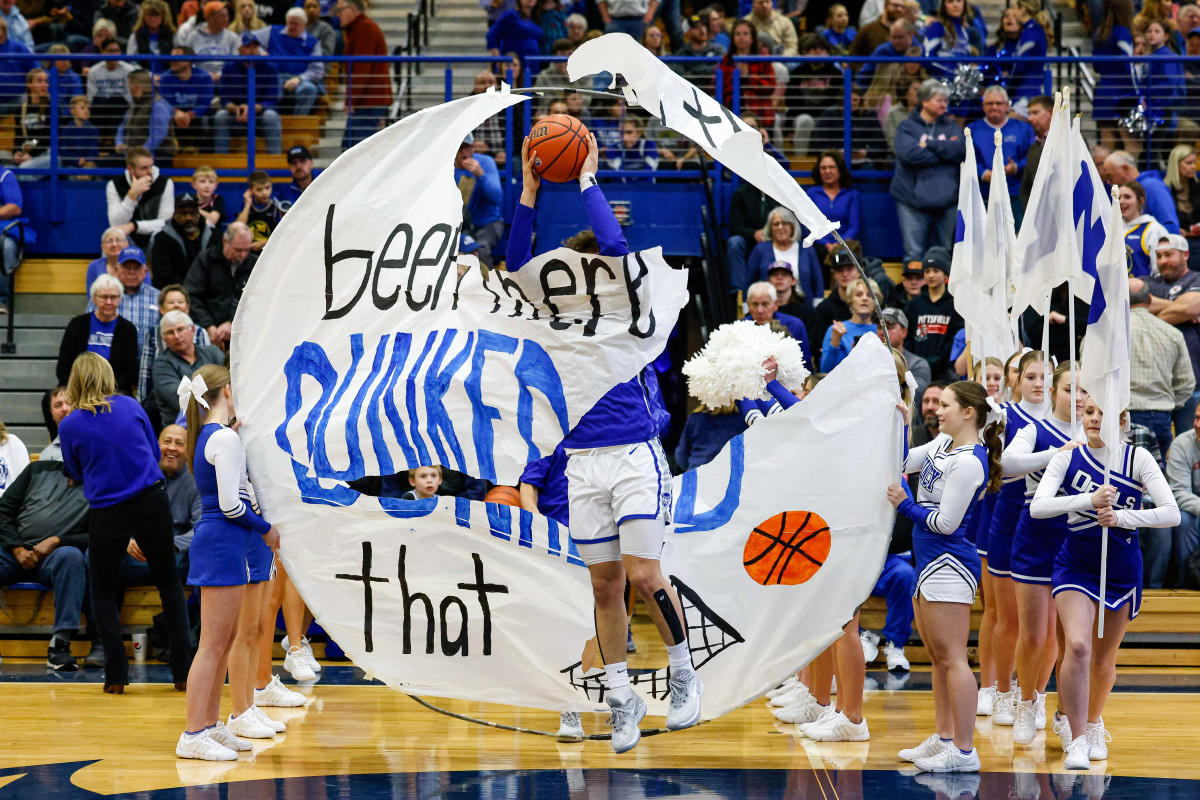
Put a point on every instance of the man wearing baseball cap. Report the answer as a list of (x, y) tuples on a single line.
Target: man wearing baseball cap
[(931, 315), (139, 304), (176, 246), (300, 164), (911, 281), (1175, 298), (784, 276), (896, 323)]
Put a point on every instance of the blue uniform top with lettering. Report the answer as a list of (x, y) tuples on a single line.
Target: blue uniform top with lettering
[(632, 411)]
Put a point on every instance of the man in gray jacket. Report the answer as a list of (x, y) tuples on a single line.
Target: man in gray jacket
[(1166, 550)]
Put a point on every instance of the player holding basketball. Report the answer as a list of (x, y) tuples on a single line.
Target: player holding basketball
[(1035, 544), (1097, 508), (618, 487), (1005, 515), (956, 468)]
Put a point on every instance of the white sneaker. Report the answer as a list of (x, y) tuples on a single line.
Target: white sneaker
[(1098, 739), (896, 660), (1062, 726), (950, 759), (783, 688), (1005, 710), (624, 721), (838, 728), (570, 729), (827, 714), (221, 735), (929, 747), (1039, 710), (870, 645), (951, 784), (987, 701), (273, 724), (798, 713), (295, 663), (276, 695), (203, 747), (684, 709), (1077, 754), (1024, 722), (313, 664), (793, 695), (249, 726)]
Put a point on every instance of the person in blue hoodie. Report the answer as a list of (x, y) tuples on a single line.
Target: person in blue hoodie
[(1017, 138), (929, 151), (1115, 93), (1163, 84), (1120, 168), (486, 194), (1026, 78), (236, 100), (618, 487), (291, 48)]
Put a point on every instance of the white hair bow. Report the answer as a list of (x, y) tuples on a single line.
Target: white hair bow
[(995, 414), (192, 388)]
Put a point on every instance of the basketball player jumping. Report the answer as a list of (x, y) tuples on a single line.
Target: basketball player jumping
[(618, 487)]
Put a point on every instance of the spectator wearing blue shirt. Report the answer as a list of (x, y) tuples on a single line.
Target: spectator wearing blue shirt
[(1027, 76), (292, 49), (300, 164), (1164, 81), (10, 213), (763, 301), (1115, 93), (189, 92), (634, 153), (12, 72), (69, 82), (833, 194), (18, 26), (235, 98), (148, 121), (843, 335), (780, 245), (483, 202), (153, 34), (1120, 168), (901, 36), (79, 139), (516, 31), (1018, 137), (838, 31)]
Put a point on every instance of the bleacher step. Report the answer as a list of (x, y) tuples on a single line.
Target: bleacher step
[(27, 375)]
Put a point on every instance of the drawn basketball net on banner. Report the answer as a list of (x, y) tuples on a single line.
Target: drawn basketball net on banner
[(708, 635)]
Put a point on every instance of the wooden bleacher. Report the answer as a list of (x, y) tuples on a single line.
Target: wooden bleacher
[(51, 276)]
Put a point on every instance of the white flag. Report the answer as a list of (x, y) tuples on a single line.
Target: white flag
[(1089, 205), (967, 260), (682, 107), (999, 241), (1104, 368), (1046, 255)]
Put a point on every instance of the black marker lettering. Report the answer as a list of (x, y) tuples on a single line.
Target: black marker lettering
[(367, 580), (482, 589), (331, 260)]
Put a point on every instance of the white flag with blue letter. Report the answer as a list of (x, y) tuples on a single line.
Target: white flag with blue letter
[(966, 263)]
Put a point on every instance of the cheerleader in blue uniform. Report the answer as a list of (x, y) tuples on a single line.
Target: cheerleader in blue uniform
[(956, 468), (227, 553), (1009, 503), (1074, 484), (1035, 544)]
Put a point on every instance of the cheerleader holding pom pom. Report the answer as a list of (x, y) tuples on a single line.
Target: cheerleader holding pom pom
[(1097, 508)]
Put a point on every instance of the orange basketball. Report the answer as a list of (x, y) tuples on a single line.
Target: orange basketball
[(558, 145), (786, 549), (504, 495)]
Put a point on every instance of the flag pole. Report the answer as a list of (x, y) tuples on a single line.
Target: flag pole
[(1109, 455), (1071, 339), (862, 273)]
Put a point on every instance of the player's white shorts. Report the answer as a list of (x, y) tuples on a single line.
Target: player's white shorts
[(610, 486)]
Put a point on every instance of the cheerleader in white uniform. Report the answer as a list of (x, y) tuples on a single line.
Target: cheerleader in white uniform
[(1074, 484), (956, 468)]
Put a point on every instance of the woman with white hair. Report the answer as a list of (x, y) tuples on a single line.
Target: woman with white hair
[(112, 242), (779, 245), (105, 333)]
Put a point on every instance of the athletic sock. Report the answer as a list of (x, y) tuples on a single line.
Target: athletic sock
[(679, 656), (965, 752), (616, 680)]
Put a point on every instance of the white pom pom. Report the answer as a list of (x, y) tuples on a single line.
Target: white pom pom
[(729, 367)]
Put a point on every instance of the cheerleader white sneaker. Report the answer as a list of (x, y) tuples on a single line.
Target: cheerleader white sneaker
[(1005, 710), (1062, 726), (276, 695), (1077, 754), (783, 688), (793, 695), (837, 728), (929, 747), (248, 724), (870, 645), (1039, 710), (1024, 722), (202, 746), (1098, 739), (305, 648), (295, 663), (273, 724), (806, 710), (950, 759), (827, 714), (570, 728), (987, 701), (221, 735)]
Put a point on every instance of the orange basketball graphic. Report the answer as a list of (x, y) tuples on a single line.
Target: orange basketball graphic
[(786, 549)]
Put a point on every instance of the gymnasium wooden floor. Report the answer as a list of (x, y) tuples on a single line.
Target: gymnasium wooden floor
[(60, 737)]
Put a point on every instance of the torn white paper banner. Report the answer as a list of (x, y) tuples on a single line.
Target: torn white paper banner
[(682, 107)]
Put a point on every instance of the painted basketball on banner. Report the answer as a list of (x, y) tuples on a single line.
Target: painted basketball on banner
[(787, 549)]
